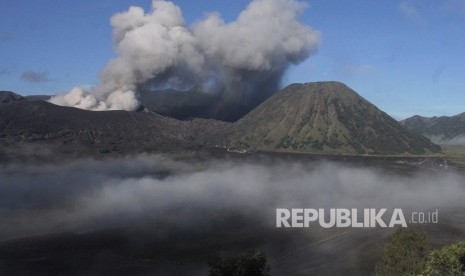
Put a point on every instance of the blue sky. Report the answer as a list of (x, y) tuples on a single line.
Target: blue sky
[(406, 57)]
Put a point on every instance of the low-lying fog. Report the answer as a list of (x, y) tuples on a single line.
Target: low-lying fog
[(166, 195)]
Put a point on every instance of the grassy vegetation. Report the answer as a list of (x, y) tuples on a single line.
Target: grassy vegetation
[(455, 155), (407, 253), (252, 263)]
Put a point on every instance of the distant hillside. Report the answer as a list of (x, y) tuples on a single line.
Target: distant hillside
[(324, 117), (442, 130), (37, 97), (9, 97)]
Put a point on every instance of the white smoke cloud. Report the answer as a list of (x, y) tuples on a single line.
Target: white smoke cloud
[(158, 50), (79, 98)]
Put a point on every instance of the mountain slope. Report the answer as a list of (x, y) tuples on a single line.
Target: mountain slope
[(443, 130), (7, 97), (72, 129), (326, 117)]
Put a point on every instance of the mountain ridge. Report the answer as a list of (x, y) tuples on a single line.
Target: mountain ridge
[(9, 97), (441, 129), (322, 117)]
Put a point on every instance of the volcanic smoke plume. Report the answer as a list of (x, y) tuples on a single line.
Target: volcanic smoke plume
[(238, 64)]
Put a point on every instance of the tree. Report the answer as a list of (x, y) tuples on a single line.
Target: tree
[(405, 254), (449, 260), (252, 263)]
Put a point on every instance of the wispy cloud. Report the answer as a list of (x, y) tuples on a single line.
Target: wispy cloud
[(32, 76), (437, 73), (411, 12), (455, 6), (359, 69), (6, 37), (5, 71)]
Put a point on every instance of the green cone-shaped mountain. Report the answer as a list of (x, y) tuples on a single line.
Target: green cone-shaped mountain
[(323, 117)]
